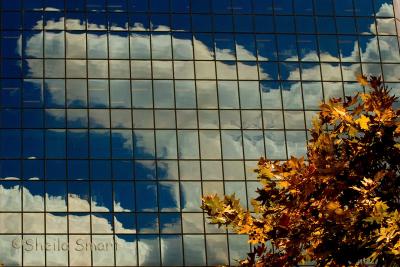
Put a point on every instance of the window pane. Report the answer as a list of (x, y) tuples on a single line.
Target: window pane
[(120, 94), (146, 197), (161, 46), (163, 94), (97, 45), (98, 93), (118, 45), (76, 45), (140, 45)]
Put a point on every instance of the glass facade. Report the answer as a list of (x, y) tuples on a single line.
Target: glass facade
[(116, 116)]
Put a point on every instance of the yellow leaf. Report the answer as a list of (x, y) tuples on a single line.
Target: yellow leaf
[(397, 131), (362, 80), (283, 184), (333, 205), (265, 171), (341, 111), (244, 230), (363, 122), (352, 131), (381, 206), (293, 191)]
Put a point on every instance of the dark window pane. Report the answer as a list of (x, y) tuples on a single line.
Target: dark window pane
[(55, 143), (56, 169), (75, 5), (145, 170), (33, 144), (10, 93), (77, 141), (344, 8), (116, 5), (241, 6), (10, 169), (100, 169), (243, 23), (10, 143), (11, 68), (159, 5), (180, 22), (284, 24), (78, 170), (138, 5), (264, 23), (146, 196), (32, 118), (11, 20), (284, 7), (10, 118), (346, 25), (160, 22), (10, 44), (287, 47), (324, 7), (303, 7), (222, 6), (11, 5), (201, 6), (223, 23), (363, 7), (122, 170), (99, 144), (124, 198), (122, 146), (201, 23), (95, 5), (180, 5), (101, 196), (326, 25)]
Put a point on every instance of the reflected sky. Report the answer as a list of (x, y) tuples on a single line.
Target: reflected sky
[(130, 117)]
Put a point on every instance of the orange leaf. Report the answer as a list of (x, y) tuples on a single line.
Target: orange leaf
[(362, 80)]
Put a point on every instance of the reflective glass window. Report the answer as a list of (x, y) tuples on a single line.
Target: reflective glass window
[(77, 143), (263, 6), (120, 94), (163, 94), (287, 47), (344, 8), (124, 198), (122, 170), (10, 145), (161, 46), (122, 144), (99, 143), (55, 141), (100, 169), (284, 24), (140, 45), (33, 144), (185, 94), (96, 45), (146, 196), (263, 24)]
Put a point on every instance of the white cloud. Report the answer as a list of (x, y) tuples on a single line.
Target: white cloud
[(386, 10), (10, 223)]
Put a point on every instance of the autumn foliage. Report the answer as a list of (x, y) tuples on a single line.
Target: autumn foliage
[(340, 207)]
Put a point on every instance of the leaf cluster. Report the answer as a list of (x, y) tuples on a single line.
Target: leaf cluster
[(340, 207)]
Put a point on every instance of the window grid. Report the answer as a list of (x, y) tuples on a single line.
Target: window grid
[(228, 69)]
